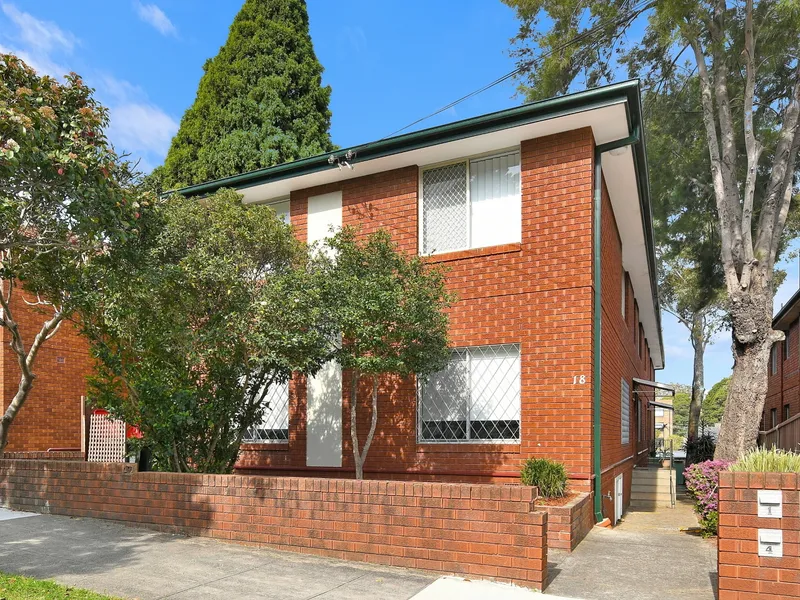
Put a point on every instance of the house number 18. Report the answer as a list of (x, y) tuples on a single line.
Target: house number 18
[(576, 379)]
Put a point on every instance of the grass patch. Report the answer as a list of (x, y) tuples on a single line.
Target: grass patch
[(768, 461), (16, 587)]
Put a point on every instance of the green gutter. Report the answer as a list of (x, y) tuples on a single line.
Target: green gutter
[(597, 321), (627, 91)]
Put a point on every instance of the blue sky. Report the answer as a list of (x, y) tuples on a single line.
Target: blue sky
[(389, 63)]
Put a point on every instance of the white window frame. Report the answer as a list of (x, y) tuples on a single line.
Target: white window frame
[(272, 203), (462, 160), (467, 441), (773, 359)]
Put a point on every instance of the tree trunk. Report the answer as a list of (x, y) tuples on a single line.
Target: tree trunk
[(25, 385), (359, 457), (699, 345), (753, 337)]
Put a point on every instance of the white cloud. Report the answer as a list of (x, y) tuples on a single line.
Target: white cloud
[(153, 15), (39, 36), (137, 126), (141, 128)]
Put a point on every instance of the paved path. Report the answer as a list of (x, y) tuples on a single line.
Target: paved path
[(646, 557), (135, 563)]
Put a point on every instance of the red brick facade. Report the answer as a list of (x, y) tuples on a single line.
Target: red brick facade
[(537, 293), (473, 530), (567, 525), (51, 416), (743, 574), (784, 384)]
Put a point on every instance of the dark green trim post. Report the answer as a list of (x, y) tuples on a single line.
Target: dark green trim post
[(597, 307)]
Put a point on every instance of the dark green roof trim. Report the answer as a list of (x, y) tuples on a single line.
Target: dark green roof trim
[(504, 119), (785, 311), (627, 91)]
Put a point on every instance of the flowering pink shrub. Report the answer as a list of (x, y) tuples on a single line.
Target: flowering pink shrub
[(702, 481)]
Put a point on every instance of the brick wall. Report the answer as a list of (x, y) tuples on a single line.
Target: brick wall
[(51, 416), (621, 360), (784, 386), (743, 575), (536, 293), (476, 530), (567, 525)]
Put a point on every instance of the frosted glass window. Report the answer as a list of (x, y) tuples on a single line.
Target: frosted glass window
[(475, 398), (494, 195), (471, 204), (281, 210)]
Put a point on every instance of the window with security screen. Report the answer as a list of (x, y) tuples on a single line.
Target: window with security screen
[(471, 204), (476, 398), (274, 426)]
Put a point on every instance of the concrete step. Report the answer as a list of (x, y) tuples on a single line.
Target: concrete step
[(649, 504), (647, 489)]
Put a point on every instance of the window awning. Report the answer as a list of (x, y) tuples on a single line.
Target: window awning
[(661, 405), (655, 385)]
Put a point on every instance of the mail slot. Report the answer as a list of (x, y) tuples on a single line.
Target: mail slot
[(770, 542), (770, 503)]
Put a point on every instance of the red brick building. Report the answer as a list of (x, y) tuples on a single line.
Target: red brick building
[(50, 419), (541, 215), (783, 400)]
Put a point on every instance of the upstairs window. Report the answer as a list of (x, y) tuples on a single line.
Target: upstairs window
[(786, 347), (471, 204), (274, 426), (475, 398), (773, 360)]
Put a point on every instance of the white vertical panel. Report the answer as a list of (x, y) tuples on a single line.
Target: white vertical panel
[(494, 193), (324, 213), (324, 417), (324, 390)]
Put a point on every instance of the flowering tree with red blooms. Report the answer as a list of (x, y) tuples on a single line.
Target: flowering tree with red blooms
[(66, 201)]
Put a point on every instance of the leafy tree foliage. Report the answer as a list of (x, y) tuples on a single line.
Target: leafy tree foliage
[(64, 204), (390, 310), (745, 56), (214, 303), (260, 102), (714, 402)]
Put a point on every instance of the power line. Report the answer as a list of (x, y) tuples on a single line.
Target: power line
[(632, 12)]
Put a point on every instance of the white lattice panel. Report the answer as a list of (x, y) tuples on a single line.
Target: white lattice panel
[(106, 439)]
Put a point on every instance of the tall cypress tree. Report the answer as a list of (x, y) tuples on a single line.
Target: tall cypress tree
[(260, 102)]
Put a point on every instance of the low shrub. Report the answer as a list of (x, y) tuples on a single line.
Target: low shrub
[(547, 475), (773, 460), (702, 481)]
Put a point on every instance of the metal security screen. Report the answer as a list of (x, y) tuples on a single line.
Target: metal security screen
[(626, 412), (475, 398), (444, 209), (274, 426)]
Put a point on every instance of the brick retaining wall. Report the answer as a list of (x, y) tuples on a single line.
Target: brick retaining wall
[(478, 530), (567, 525), (743, 574)]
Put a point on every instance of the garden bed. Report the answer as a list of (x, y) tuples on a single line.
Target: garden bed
[(569, 519)]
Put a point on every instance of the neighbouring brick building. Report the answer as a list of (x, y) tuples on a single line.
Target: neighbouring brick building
[(50, 419), (783, 401), (541, 215)]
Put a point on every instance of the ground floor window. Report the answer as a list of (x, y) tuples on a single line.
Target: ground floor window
[(475, 398), (274, 426)]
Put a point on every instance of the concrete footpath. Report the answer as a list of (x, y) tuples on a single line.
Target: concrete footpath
[(649, 556), (136, 563)]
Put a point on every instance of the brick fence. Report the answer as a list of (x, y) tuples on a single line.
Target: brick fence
[(567, 525), (743, 574), (478, 530)]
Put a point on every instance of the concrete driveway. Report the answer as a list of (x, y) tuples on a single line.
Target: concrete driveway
[(136, 563)]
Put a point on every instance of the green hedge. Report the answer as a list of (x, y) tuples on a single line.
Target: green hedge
[(547, 475)]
